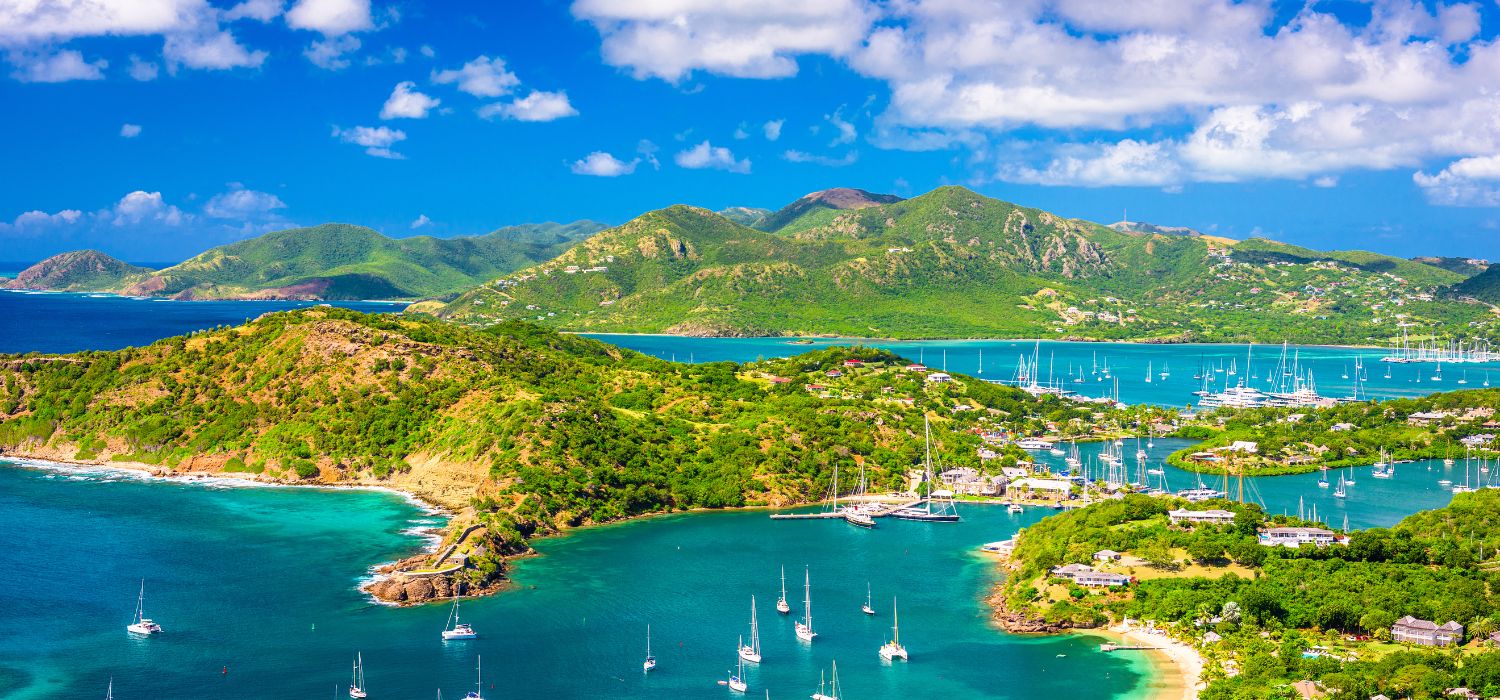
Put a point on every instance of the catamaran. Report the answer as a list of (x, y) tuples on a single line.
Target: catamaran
[(736, 680), (141, 624), (478, 692), (804, 628), (781, 604), (458, 630), (833, 692), (867, 608), (649, 664), (751, 652), (357, 678), (893, 650)]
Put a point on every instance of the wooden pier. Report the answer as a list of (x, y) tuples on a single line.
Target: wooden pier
[(1126, 647), (887, 510)]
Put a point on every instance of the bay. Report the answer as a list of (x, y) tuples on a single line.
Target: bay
[(1128, 362)]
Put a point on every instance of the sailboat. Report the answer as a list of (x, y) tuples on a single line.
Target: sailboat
[(1148, 371), (1340, 492), (1165, 370), (357, 678), (456, 629), (1323, 480), (833, 692), (946, 511), (867, 608), (893, 650), (109, 693), (736, 681), (781, 604), (751, 652), (804, 628), (141, 624), (649, 664), (478, 692)]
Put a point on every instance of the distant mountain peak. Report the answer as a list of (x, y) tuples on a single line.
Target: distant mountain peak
[(81, 270), (837, 198)]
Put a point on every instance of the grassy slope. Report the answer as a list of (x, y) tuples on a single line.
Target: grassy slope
[(976, 267), (79, 271)]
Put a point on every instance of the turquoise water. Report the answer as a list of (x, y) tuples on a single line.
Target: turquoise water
[(66, 322), (1127, 362), (240, 576)]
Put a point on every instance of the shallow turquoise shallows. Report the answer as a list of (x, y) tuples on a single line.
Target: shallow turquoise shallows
[(256, 588), (1333, 368)]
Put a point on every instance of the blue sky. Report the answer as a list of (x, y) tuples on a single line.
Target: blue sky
[(154, 129)]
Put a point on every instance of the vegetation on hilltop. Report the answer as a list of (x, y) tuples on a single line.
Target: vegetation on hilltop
[(1269, 605), (952, 263), (331, 261), (1484, 286)]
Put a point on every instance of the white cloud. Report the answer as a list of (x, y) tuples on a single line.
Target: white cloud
[(244, 205), (212, 51), (601, 164), (536, 107), (481, 77), (331, 17), (741, 132), (796, 156), (846, 131), (1468, 182), (258, 10), (130, 131), (143, 70), (427, 51), (332, 53), (59, 67), (407, 103), (144, 207), (1326, 181), (421, 221), (772, 129), (376, 140), (648, 150), (706, 155), (669, 39), (1128, 162), (26, 21), (38, 218)]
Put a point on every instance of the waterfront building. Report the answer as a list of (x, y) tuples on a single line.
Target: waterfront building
[(1215, 516), (1296, 537)]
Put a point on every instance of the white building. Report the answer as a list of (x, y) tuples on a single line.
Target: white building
[(1296, 537), (1216, 516)]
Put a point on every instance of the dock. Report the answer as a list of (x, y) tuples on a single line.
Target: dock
[(1126, 647), (887, 510)]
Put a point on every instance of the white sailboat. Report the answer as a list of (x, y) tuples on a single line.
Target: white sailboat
[(1340, 492), (825, 692), (357, 678), (893, 650), (736, 681), (478, 692), (804, 629), (868, 608), (141, 624), (455, 630), (781, 604), (751, 652), (649, 664), (109, 693), (1148, 372)]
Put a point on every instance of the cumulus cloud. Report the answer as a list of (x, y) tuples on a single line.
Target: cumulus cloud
[(536, 107), (143, 70), (706, 155), (212, 51), (332, 53), (377, 140), (1128, 162), (481, 77), (144, 207), (59, 67), (420, 221), (243, 204), (796, 156), (1468, 182), (130, 131), (37, 218), (26, 21), (406, 103), (601, 164), (845, 131), (669, 39), (772, 129), (331, 17), (258, 10)]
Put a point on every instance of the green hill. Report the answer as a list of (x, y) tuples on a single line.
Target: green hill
[(331, 261), (953, 263), (77, 271), (1484, 286)]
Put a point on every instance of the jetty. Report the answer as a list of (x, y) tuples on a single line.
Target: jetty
[(1109, 646), (887, 510)]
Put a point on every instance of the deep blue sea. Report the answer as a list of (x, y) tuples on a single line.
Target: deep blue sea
[(55, 322)]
